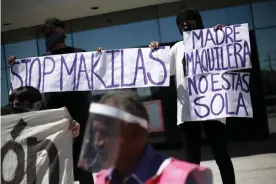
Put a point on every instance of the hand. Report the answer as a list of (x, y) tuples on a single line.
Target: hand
[(99, 49), (218, 26), (75, 128), (11, 59), (154, 45)]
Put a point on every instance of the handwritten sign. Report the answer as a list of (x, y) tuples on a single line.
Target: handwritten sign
[(209, 51), (210, 56), (36, 147), (218, 95), (112, 69)]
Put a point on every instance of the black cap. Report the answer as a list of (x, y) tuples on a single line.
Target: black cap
[(53, 22)]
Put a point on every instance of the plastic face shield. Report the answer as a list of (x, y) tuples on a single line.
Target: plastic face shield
[(101, 146)]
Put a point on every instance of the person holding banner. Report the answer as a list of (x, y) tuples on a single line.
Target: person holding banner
[(188, 20), (77, 102), (27, 99), (115, 143)]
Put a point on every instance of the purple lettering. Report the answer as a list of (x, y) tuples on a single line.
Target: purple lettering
[(69, 72), (218, 42), (39, 73), (204, 56), (112, 52), (228, 33), (226, 81), (237, 50), (198, 37), (82, 69), (222, 104), (192, 85), (233, 79), (26, 61), (209, 37), (93, 66), (245, 79), (13, 66), (200, 84), (239, 82), (217, 49), (197, 63), (140, 57), (236, 33), (246, 53), (123, 71), (211, 61), (47, 72), (229, 48), (241, 103), (163, 66), (201, 105), (188, 59), (214, 82), (227, 106)]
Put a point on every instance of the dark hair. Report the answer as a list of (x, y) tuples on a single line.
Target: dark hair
[(6, 110), (128, 101), (28, 99)]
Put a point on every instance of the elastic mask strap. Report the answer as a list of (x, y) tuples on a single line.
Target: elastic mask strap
[(113, 112)]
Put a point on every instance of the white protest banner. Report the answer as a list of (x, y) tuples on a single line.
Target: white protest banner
[(111, 69), (36, 148), (214, 91), (218, 95), (208, 51)]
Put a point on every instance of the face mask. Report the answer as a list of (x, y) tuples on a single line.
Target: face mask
[(189, 28), (54, 38)]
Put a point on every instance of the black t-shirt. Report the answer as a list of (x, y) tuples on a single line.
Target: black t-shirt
[(65, 50), (70, 99)]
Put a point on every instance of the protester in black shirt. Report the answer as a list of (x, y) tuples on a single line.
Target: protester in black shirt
[(77, 102)]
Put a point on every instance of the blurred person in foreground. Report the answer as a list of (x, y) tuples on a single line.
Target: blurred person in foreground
[(77, 102), (115, 145), (188, 20), (27, 99)]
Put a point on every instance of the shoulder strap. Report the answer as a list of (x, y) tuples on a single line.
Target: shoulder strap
[(179, 172)]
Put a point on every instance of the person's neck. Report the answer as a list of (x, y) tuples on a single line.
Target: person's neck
[(59, 46), (127, 165)]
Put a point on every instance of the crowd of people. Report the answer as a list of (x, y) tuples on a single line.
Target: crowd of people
[(134, 160)]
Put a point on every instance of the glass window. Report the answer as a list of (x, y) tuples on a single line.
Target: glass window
[(4, 88), (3, 59), (264, 13), (266, 48), (239, 15), (226, 16), (213, 17), (119, 36), (168, 30), (21, 49), (267, 55)]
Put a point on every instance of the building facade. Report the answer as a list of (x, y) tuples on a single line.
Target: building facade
[(138, 27)]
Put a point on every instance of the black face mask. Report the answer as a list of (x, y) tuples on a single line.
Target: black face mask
[(187, 28), (53, 38)]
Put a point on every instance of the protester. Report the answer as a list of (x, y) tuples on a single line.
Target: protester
[(188, 20), (116, 136), (77, 102), (27, 99)]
